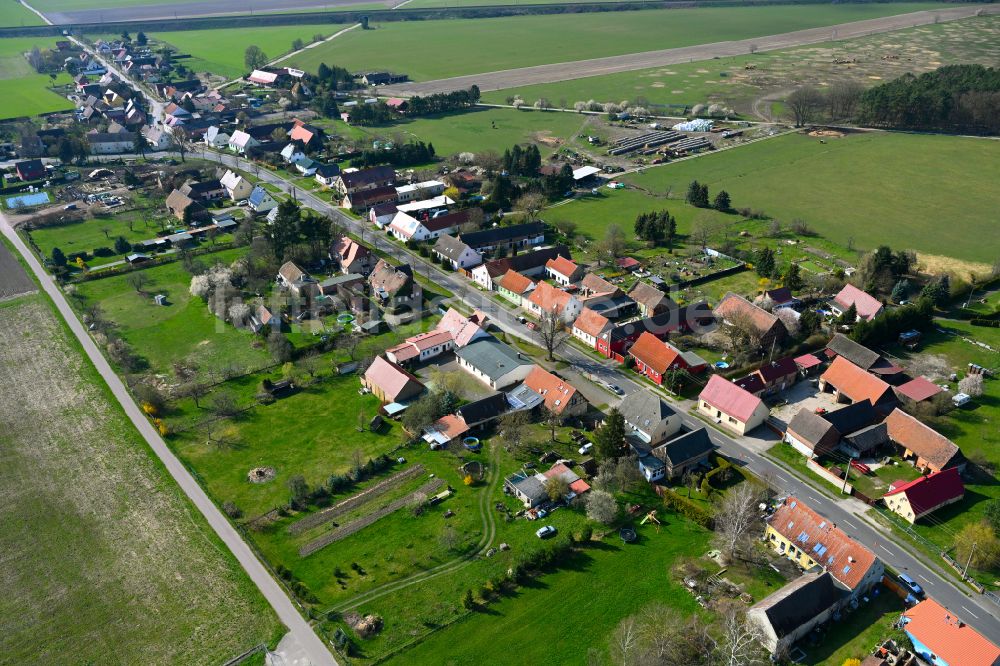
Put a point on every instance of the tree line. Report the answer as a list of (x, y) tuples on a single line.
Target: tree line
[(443, 102)]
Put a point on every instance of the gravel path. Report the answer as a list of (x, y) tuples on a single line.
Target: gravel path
[(526, 76)]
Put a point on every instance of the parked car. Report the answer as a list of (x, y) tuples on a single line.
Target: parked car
[(545, 532), (531, 325), (861, 467), (614, 388), (585, 449), (911, 584)]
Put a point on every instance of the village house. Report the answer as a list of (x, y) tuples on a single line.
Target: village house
[(593, 285), (736, 310), (205, 190), (530, 264), (780, 298), (306, 167), (464, 330), (729, 405), (864, 358), (420, 348), (849, 383), (575, 484), (614, 305), (655, 358), (651, 301), (771, 377), (508, 239), (292, 153), (560, 396), (214, 137), (237, 187), (390, 383), (515, 287), (941, 638), (589, 326), (262, 317), (351, 256), (457, 254), (350, 182), (529, 489), (296, 280), (309, 136), (867, 306), (382, 214), (810, 540), (912, 500), (419, 191), (240, 142), (444, 431), (649, 418), (493, 363), (327, 174), (361, 200), (479, 413), (616, 342), (675, 457), (348, 285), (407, 228), (104, 143), (790, 613), (394, 288), (563, 271), (546, 298), (811, 434), (930, 449), (917, 390), (182, 206), (260, 201)]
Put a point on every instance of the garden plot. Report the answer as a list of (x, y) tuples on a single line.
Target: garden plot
[(14, 281), (101, 550)]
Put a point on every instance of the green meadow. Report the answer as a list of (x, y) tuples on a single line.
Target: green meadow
[(14, 14), (23, 91)]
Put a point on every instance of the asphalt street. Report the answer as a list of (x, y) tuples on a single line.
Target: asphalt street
[(553, 73)]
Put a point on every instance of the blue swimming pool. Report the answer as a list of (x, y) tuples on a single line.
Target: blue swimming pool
[(25, 200)]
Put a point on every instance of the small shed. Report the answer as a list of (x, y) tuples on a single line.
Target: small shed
[(160, 299)]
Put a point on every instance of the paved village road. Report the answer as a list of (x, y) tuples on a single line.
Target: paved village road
[(289, 615), (526, 76)]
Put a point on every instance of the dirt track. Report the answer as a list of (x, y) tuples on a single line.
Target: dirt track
[(197, 9), (526, 76)]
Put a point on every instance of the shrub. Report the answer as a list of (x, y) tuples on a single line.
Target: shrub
[(687, 508)]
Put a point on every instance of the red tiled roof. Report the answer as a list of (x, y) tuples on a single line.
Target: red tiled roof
[(732, 305), (654, 353), (389, 377), (595, 284), (404, 351), (846, 559), (950, 639), (591, 322), (922, 440), (628, 263), (547, 297), (919, 389), (451, 426), (562, 265), (854, 382), (929, 492), (807, 361), (729, 398), (579, 486), (515, 283), (866, 305), (556, 392)]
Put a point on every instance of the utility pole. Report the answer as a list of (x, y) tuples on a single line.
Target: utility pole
[(965, 572), (847, 475)]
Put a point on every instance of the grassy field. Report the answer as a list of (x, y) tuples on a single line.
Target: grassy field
[(483, 129), (104, 558), (576, 607), (737, 81), (23, 91), (183, 330), (931, 194), (436, 49), (14, 14)]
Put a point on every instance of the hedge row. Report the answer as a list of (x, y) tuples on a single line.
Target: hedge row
[(988, 323), (687, 508)]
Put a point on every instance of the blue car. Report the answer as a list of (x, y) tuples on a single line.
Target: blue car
[(911, 585)]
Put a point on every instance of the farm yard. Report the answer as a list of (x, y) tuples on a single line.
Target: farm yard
[(741, 82), (126, 561), (493, 44), (24, 92), (848, 189)]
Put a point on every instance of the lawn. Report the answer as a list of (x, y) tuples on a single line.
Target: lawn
[(184, 330), (221, 51), (87, 235), (427, 49), (737, 81), (484, 129), (104, 555), (14, 14), (23, 91), (576, 607), (867, 188)]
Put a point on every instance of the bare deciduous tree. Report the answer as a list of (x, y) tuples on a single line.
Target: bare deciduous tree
[(512, 429), (804, 103), (739, 643), (738, 518), (552, 330)]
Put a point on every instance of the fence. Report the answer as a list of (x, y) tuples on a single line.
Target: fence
[(829, 476), (725, 272)]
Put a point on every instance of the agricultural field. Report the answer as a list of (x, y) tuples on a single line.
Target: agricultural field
[(744, 82), (183, 330), (480, 130), (23, 91), (14, 14), (860, 190), (495, 44), (101, 547)]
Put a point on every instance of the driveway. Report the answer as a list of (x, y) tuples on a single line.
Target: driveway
[(803, 396)]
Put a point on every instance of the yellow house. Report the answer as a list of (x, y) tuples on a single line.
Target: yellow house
[(915, 499), (810, 540)]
